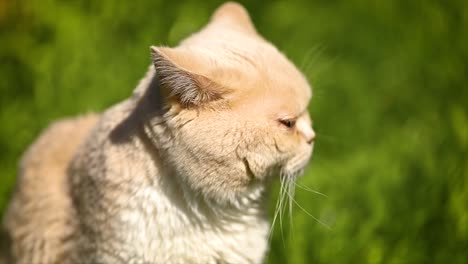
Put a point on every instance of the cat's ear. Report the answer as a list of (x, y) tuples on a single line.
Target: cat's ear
[(234, 15), (188, 88)]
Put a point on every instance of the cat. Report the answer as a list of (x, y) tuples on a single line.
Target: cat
[(180, 171)]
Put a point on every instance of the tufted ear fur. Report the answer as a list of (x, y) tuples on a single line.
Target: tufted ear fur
[(234, 15), (188, 88)]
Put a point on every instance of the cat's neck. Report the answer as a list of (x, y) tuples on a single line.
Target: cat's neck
[(140, 130), (176, 224)]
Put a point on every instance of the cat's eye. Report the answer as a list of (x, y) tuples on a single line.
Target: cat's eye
[(289, 123)]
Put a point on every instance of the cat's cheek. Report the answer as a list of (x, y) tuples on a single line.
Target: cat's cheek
[(287, 144), (305, 156), (297, 157), (257, 165)]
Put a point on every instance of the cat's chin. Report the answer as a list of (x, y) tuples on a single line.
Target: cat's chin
[(294, 174), (295, 168), (291, 174)]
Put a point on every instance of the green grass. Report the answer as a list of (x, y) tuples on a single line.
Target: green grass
[(390, 108)]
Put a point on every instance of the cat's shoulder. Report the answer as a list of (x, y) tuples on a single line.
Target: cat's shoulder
[(57, 144)]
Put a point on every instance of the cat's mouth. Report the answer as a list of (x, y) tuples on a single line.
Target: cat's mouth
[(295, 167), (293, 173)]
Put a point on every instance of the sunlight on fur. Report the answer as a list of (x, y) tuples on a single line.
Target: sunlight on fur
[(179, 172)]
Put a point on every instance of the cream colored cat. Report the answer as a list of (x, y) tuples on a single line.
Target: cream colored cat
[(177, 173)]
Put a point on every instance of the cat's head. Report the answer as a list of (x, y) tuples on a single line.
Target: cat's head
[(237, 108)]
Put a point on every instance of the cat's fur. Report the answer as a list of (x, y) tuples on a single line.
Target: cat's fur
[(178, 172)]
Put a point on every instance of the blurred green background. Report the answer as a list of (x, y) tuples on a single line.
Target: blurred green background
[(390, 108)]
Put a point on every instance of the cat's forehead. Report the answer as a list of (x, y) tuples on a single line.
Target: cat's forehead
[(242, 62), (249, 65)]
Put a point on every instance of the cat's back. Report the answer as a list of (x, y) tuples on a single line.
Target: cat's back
[(39, 219)]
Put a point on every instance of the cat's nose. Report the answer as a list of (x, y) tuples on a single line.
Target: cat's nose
[(310, 137), (307, 132)]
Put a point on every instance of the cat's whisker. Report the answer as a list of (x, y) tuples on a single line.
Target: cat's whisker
[(306, 59), (306, 188), (326, 137), (275, 214), (282, 203), (314, 61), (277, 211), (291, 190), (309, 59), (313, 217), (270, 232)]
